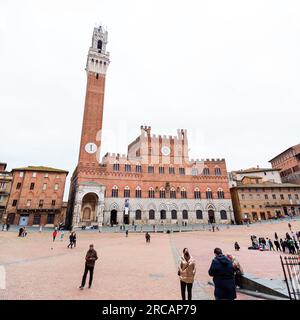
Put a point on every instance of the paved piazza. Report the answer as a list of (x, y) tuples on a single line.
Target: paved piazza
[(127, 268)]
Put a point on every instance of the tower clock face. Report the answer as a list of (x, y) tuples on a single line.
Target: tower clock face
[(90, 147), (165, 150)]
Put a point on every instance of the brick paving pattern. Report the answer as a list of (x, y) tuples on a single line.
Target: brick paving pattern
[(127, 268)]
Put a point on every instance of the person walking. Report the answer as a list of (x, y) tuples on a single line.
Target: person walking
[(71, 241), (147, 236), (126, 233), (276, 236), (271, 247), (236, 246), (290, 226), (7, 226), (74, 239), (41, 229), (24, 234), (90, 259), (186, 273), (222, 271), (277, 245), (62, 234), (54, 234)]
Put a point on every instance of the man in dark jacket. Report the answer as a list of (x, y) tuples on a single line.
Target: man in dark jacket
[(90, 260), (222, 271)]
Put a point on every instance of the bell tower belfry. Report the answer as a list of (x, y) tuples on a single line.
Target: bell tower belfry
[(96, 67)]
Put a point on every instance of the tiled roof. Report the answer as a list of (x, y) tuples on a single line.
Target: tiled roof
[(269, 185), (40, 168)]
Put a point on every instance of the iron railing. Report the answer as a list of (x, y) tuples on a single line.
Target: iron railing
[(291, 271)]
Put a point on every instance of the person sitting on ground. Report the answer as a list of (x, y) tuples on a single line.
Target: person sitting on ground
[(20, 232), (236, 246)]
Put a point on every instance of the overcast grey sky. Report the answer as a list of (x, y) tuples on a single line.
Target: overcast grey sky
[(227, 71)]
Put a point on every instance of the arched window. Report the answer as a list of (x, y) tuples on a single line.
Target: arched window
[(220, 194), (185, 214), (209, 194), (197, 194), (163, 214), (126, 192), (174, 214), (138, 168), (151, 193), (138, 192), (151, 214), (114, 192), (199, 214), (127, 167), (171, 170), (162, 193), (223, 215), (183, 193), (206, 171), (99, 45), (173, 193), (116, 166), (194, 171), (138, 215), (217, 171)]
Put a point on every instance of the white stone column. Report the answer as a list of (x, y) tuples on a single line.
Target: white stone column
[(76, 214)]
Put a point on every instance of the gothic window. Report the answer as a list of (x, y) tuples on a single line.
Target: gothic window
[(174, 214), (99, 45), (161, 170), (209, 194), (138, 168), (126, 192), (150, 169), (114, 192), (220, 194), (116, 166), (183, 193), (185, 215), (138, 215), (151, 214), (173, 193), (197, 194), (171, 170), (162, 193), (194, 171), (182, 171), (206, 171), (151, 193), (217, 171), (138, 192), (199, 214), (127, 168), (163, 214), (223, 215)]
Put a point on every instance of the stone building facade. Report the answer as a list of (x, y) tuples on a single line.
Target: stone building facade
[(5, 186), (155, 182), (254, 199), (288, 162), (36, 196)]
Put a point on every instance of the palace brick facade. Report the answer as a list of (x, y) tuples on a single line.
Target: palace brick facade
[(155, 182), (36, 196)]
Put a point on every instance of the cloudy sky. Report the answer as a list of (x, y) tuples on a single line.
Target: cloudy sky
[(227, 71)]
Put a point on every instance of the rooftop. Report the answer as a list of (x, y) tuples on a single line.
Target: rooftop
[(268, 185), (40, 168), (295, 147), (252, 170)]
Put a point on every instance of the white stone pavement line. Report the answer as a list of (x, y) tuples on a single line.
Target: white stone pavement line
[(41, 258), (198, 292)]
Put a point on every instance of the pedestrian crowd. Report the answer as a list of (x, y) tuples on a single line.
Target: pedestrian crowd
[(289, 243)]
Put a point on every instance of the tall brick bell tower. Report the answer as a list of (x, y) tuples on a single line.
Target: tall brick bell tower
[(86, 198)]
